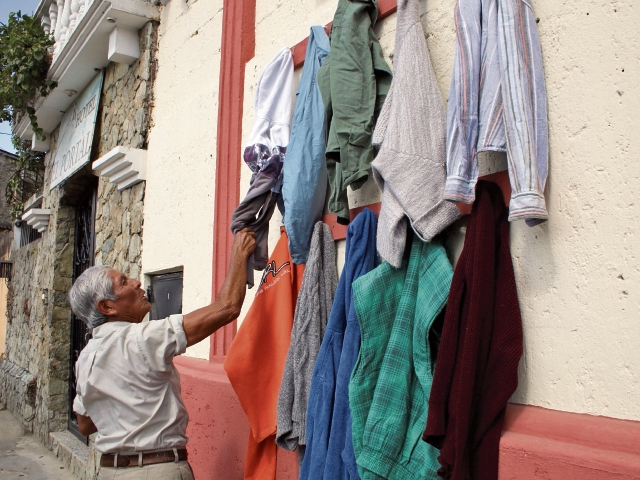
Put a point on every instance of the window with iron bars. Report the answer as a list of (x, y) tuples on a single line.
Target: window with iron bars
[(5, 269), (28, 234)]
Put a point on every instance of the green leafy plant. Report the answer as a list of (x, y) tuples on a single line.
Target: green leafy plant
[(28, 177), (25, 59)]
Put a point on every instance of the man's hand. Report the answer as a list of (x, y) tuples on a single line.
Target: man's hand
[(203, 322), (244, 244)]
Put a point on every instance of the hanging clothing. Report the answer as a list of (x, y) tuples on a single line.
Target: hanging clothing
[(498, 102), (354, 82), (329, 453), (312, 312), (391, 383), (264, 154), (477, 366), (411, 133), (304, 184), (256, 358)]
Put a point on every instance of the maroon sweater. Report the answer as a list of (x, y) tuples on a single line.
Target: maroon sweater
[(477, 364)]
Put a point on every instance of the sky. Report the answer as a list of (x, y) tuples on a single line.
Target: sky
[(6, 6)]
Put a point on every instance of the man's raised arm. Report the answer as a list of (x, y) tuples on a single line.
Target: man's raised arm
[(201, 323)]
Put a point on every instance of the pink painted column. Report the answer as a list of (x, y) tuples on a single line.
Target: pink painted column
[(238, 47)]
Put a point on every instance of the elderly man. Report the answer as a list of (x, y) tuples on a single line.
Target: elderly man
[(128, 389)]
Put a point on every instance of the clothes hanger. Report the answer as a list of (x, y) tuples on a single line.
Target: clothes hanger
[(339, 231)]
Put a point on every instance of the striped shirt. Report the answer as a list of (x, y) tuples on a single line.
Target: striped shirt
[(498, 102)]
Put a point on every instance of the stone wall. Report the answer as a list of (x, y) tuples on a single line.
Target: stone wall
[(38, 319), (19, 391), (127, 97), (34, 375)]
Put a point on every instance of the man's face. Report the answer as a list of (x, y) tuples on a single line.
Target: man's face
[(132, 303)]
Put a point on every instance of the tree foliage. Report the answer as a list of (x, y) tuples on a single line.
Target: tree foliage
[(24, 62), (28, 177)]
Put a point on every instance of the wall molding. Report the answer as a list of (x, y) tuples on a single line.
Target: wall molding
[(123, 166), (539, 443), (37, 218)]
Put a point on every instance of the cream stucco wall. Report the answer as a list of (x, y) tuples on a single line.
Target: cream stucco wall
[(6, 243), (578, 274), (179, 202)]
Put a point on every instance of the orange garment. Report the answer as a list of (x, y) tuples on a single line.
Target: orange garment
[(256, 358)]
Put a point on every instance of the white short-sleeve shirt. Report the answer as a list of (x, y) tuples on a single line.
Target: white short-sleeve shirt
[(127, 383)]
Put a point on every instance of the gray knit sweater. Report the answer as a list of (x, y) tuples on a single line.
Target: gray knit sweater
[(319, 284), (411, 131)]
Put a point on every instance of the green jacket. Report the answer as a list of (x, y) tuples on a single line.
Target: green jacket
[(354, 81), (391, 382)]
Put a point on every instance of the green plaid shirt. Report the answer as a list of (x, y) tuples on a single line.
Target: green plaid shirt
[(391, 381)]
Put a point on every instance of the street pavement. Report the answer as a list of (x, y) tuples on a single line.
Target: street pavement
[(22, 457)]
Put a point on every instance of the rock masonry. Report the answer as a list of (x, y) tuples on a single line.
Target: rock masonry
[(34, 374)]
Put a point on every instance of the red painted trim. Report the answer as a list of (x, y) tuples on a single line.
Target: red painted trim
[(536, 444), (299, 50), (547, 444), (386, 8), (218, 430), (502, 179), (580, 429), (339, 231), (238, 47)]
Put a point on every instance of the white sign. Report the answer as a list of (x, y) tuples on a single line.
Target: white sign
[(76, 133)]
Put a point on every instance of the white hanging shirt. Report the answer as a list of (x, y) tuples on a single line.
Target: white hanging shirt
[(128, 385)]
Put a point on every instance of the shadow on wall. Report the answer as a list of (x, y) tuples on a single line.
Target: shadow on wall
[(534, 278)]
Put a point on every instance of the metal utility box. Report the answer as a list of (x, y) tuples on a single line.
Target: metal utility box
[(166, 295)]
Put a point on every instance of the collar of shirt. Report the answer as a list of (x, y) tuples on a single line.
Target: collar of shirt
[(105, 329)]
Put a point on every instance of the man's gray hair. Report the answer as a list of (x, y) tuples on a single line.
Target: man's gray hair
[(93, 285)]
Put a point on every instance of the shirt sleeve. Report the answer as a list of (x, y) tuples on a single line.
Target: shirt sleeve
[(78, 406), (161, 340), (81, 380)]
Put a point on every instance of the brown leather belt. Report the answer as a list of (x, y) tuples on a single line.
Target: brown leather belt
[(164, 456)]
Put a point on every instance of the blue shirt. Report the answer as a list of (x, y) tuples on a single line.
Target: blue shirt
[(305, 172), (329, 445)]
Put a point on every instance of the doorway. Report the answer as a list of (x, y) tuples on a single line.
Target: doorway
[(83, 258)]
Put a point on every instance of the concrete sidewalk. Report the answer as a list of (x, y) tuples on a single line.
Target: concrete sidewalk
[(22, 457)]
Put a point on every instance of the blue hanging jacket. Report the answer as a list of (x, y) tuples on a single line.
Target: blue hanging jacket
[(329, 446), (304, 184)]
